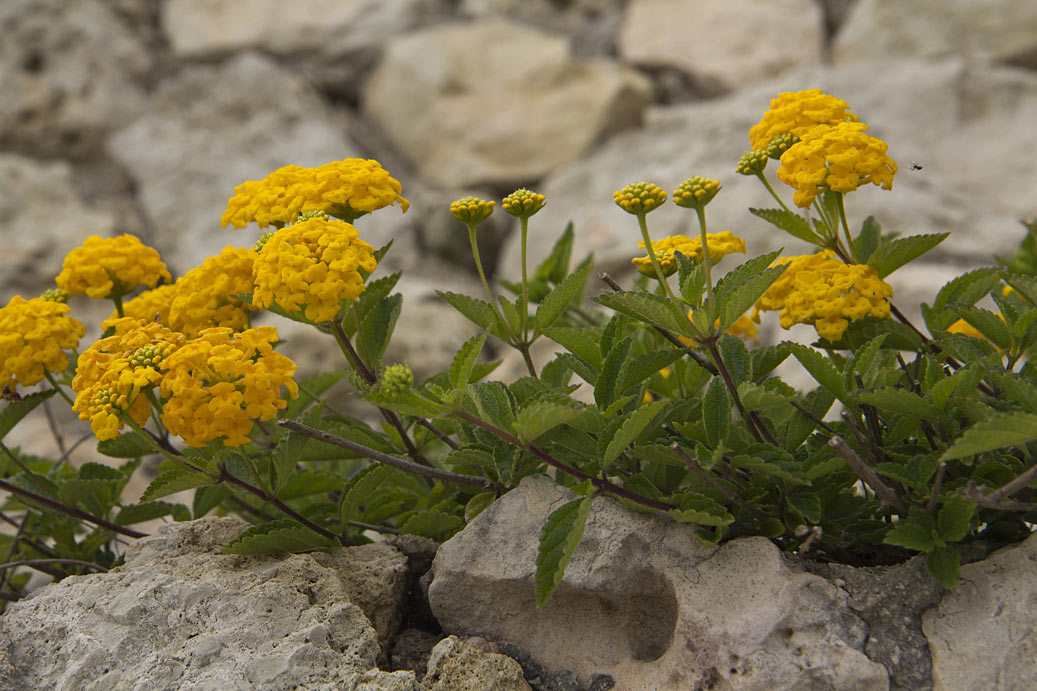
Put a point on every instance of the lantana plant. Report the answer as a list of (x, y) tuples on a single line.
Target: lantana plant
[(916, 438)]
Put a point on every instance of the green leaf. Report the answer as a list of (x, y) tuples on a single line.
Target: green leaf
[(554, 304), (435, 525), (765, 359), (494, 403), (289, 451), (316, 385), (944, 563), (72, 492), (700, 509), (277, 537), (359, 488), (477, 504), (640, 367), (716, 412), (808, 504), (821, 369), (955, 518), (966, 289), (129, 445), (15, 411), (138, 513), (900, 401), (540, 415), (631, 427), (913, 532), (791, 223), (464, 361), (479, 312), (559, 539), (208, 498), (691, 277), (1007, 429), (867, 241), (377, 328), (736, 358), (987, 323), (892, 254), (742, 298), (581, 342), (651, 309), (510, 310), (175, 480), (606, 386), (409, 402), (556, 266)]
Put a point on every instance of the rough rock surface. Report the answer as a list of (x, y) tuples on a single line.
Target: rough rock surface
[(462, 665), (211, 128), (727, 44), (180, 614), (983, 634), (496, 102), (645, 602)]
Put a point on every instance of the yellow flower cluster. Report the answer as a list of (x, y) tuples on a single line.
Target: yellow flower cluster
[(522, 203), (471, 210), (720, 245), (639, 197), (33, 337), (218, 383), (696, 192), (151, 305), (314, 264), (835, 157), (202, 296), (819, 289), (346, 189), (110, 267), (114, 374), (797, 112)]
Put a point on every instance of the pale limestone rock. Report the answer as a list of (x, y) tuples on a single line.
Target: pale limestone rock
[(730, 44), (458, 666), (983, 635), (647, 603), (70, 72), (494, 102), (210, 128), (330, 27), (1000, 30)]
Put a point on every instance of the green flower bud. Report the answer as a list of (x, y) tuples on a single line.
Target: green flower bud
[(639, 197), (696, 192), (397, 378), (780, 143), (258, 247), (56, 295), (307, 215), (471, 210), (753, 162), (522, 203)]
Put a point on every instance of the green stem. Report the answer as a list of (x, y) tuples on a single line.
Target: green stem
[(642, 221), (482, 276), (846, 228), (707, 261), (763, 179), (524, 225), (57, 387), (117, 299)]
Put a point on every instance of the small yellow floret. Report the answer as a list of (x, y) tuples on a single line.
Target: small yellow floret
[(522, 203), (696, 192), (34, 335), (202, 297), (313, 265), (110, 267), (151, 305), (797, 112), (471, 210), (639, 197), (720, 245)]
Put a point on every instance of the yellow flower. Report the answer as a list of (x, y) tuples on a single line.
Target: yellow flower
[(839, 157), (797, 112), (753, 162), (312, 265), (151, 305), (218, 383), (696, 192), (522, 203), (110, 267), (965, 329), (639, 197), (114, 374), (471, 210), (33, 337), (720, 245), (346, 189), (819, 289), (202, 296)]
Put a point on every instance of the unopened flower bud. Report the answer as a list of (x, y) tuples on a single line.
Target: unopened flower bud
[(522, 203), (56, 295), (397, 378), (753, 162), (780, 143), (696, 192), (258, 247), (639, 197), (471, 210)]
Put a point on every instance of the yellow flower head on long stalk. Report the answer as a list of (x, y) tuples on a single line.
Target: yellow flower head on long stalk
[(34, 335), (821, 290), (218, 384), (345, 189), (110, 267), (313, 266)]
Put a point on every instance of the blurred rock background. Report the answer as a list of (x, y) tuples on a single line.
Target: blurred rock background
[(140, 116)]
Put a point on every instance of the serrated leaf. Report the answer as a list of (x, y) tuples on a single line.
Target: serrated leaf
[(13, 412), (208, 498), (128, 445), (944, 563), (71, 492), (289, 450), (913, 532), (867, 241), (540, 415), (899, 401), (494, 403), (359, 489), (955, 518), (479, 312), (409, 402), (556, 266), (808, 504), (559, 539), (376, 329), (821, 369), (742, 297), (316, 385), (765, 359), (651, 309), (988, 323), (791, 223), (138, 513), (637, 369), (736, 358), (701, 510), (966, 289), (716, 412), (554, 304), (629, 429), (435, 525), (1007, 429), (276, 537), (580, 342), (464, 361), (892, 254), (606, 386), (477, 504), (175, 480)]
